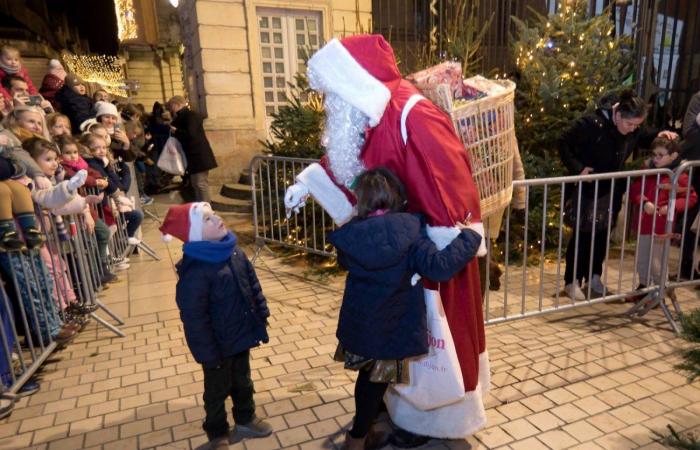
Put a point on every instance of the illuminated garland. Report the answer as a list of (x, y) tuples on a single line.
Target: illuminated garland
[(103, 69), (126, 19)]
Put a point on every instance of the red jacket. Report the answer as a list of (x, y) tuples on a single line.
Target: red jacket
[(22, 73), (654, 184)]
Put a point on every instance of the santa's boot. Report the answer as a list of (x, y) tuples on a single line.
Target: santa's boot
[(352, 443)]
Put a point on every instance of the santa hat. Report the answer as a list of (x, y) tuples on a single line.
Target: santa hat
[(185, 222), (359, 69), (102, 108), (55, 64)]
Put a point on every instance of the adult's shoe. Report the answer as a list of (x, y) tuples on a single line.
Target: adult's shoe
[(574, 292), (405, 439)]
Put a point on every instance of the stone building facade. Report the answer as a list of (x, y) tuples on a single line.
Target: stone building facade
[(239, 55)]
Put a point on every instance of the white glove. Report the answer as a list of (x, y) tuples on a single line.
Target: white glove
[(295, 198), (125, 201), (77, 180)]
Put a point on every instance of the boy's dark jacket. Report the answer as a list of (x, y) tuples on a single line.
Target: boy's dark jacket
[(221, 306), (383, 316)]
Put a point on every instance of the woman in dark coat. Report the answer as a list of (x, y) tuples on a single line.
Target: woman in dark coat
[(600, 143), (187, 127)]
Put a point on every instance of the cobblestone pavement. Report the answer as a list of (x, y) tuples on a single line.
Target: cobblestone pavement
[(588, 379)]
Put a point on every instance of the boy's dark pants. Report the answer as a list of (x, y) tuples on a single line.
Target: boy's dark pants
[(232, 378)]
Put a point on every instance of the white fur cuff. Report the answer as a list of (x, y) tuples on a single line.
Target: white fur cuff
[(479, 228), (326, 193)]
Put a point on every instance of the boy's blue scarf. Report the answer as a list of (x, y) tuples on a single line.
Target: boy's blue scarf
[(211, 251)]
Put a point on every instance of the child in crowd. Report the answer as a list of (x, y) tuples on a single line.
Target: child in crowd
[(74, 103), (117, 184), (72, 163), (651, 193), (224, 314), (58, 124), (108, 116), (15, 203), (101, 95), (11, 64), (53, 82), (383, 317)]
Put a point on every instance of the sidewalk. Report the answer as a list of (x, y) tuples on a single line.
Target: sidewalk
[(588, 379)]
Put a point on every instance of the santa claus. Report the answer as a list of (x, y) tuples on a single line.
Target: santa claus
[(375, 118)]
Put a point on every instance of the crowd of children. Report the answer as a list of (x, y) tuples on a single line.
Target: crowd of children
[(66, 160)]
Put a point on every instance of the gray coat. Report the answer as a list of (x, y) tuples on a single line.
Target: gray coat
[(690, 121)]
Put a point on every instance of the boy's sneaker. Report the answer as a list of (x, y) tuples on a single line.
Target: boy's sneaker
[(33, 237), (220, 443), (574, 292), (255, 428), (121, 266), (146, 200), (28, 388), (10, 241)]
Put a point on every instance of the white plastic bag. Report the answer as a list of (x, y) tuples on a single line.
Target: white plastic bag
[(436, 379), (172, 158)]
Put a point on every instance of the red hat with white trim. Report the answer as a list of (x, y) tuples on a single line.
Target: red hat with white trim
[(185, 222), (360, 69)]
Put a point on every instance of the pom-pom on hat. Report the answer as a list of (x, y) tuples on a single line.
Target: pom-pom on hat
[(185, 222), (102, 108)]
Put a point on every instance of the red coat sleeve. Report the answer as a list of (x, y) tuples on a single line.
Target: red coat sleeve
[(30, 86)]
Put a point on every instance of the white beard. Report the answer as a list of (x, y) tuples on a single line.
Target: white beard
[(344, 137)]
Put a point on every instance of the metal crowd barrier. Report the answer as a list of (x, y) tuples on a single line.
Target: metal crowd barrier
[(50, 286), (306, 231), (532, 244), (120, 245)]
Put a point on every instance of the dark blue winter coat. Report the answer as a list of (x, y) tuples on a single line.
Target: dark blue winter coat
[(222, 307), (383, 316)]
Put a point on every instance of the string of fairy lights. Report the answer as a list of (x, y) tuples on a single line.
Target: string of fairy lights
[(127, 28), (105, 70)]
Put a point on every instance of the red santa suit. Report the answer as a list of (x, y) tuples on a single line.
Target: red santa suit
[(415, 139)]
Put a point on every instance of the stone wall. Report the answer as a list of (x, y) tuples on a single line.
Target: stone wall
[(159, 74), (222, 66)]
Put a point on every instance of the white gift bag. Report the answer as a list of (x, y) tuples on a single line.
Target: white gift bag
[(436, 379), (172, 158)]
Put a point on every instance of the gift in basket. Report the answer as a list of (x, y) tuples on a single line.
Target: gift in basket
[(482, 112)]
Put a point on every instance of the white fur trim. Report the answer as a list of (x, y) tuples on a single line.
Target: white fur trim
[(197, 211), (442, 236), (479, 228), (326, 193), (412, 100), (454, 421), (335, 70)]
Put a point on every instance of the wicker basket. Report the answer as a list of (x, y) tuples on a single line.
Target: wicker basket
[(487, 130)]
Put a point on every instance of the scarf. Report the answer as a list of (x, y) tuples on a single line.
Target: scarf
[(8, 69), (211, 251), (80, 164)]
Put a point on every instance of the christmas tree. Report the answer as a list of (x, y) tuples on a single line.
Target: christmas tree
[(565, 62)]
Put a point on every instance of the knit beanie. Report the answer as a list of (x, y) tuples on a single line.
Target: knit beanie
[(72, 80), (102, 108), (185, 222)]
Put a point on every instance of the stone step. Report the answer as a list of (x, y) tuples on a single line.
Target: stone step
[(225, 204), (244, 178), (236, 191)]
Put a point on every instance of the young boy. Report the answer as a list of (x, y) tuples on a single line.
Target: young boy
[(653, 200), (224, 314)]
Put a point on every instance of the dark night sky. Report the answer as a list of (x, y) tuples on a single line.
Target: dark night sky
[(95, 19)]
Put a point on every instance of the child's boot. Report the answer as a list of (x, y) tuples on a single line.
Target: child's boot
[(352, 443), (255, 428), (220, 443), (33, 237), (10, 241)]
